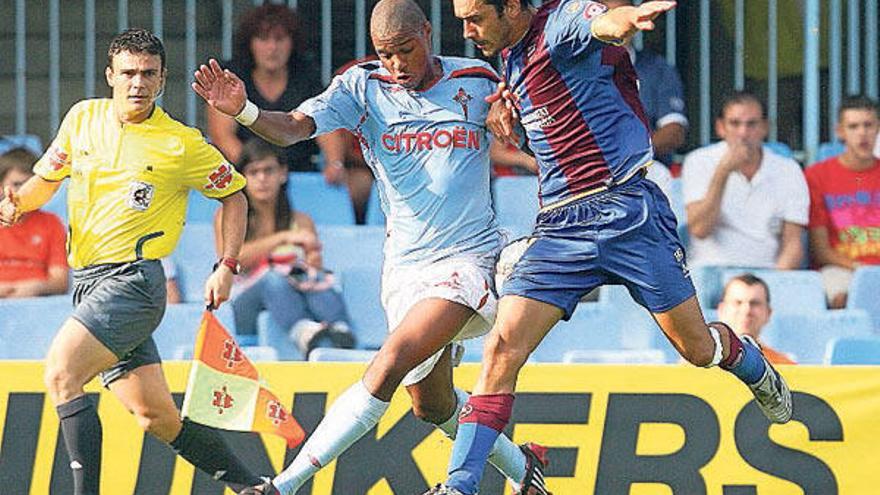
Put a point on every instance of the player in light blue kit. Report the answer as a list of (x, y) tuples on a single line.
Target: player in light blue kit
[(420, 121)]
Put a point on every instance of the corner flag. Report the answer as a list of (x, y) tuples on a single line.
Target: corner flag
[(224, 389)]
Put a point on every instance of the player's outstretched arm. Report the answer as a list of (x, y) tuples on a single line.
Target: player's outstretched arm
[(617, 25), (225, 92)]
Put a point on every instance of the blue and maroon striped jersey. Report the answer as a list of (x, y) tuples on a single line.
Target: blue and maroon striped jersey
[(578, 102)]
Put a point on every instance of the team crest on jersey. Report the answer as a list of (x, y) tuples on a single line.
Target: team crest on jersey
[(220, 177), (140, 195), (593, 9), (462, 98)]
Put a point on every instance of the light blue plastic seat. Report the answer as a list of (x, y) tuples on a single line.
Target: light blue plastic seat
[(590, 327), (346, 246), (827, 150), (780, 148), (806, 334), (195, 257), (864, 293), (361, 292), (616, 356), (325, 203), (853, 350), (176, 335), (516, 204), (790, 290), (29, 325), (334, 354), (31, 142), (201, 209)]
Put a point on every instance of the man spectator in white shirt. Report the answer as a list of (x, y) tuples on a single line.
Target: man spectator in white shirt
[(746, 206)]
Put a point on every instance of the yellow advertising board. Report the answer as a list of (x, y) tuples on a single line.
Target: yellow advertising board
[(627, 430)]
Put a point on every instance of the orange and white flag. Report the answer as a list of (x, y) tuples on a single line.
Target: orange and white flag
[(224, 389)]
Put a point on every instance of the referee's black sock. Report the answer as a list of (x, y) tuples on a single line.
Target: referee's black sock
[(82, 433), (203, 447)]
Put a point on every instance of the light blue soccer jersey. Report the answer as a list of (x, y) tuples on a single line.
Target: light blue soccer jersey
[(429, 151)]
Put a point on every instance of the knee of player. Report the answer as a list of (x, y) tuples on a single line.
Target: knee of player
[(160, 423), (433, 412), (501, 354), (60, 382)]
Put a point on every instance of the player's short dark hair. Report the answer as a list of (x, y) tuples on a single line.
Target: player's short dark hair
[(136, 40), (252, 150), (499, 4), (20, 159), (858, 102), (739, 98), (750, 279), (259, 21)]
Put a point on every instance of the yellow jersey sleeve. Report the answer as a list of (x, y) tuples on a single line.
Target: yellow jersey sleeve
[(206, 170), (54, 165)]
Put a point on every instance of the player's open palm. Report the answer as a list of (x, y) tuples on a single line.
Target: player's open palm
[(645, 13), (222, 89)]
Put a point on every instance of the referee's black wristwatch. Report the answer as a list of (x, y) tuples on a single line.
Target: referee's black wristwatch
[(231, 263)]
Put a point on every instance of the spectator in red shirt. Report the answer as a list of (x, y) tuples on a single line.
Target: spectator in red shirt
[(32, 252), (845, 201)]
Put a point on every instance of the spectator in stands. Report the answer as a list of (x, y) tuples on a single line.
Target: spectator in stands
[(281, 265), (746, 206), (745, 306), (33, 257), (266, 57), (845, 201), (662, 97)]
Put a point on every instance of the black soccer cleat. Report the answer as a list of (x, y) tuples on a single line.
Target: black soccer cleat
[(536, 462), (266, 488)]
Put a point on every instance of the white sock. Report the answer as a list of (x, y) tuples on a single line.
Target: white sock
[(505, 456), (352, 415)]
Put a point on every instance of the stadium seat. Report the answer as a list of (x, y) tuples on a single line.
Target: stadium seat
[(195, 257), (29, 141), (346, 246), (325, 203), (864, 293), (341, 355), (200, 209), (806, 334), (375, 215), (30, 324), (853, 350), (827, 150), (589, 328), (516, 204), (676, 200), (176, 335), (361, 290), (779, 148), (617, 356), (790, 290)]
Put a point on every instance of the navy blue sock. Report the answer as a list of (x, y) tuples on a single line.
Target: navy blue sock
[(744, 360), (81, 429)]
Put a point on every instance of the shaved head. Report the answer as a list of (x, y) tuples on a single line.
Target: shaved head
[(396, 20)]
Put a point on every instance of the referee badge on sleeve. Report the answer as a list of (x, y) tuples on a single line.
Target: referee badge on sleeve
[(140, 195)]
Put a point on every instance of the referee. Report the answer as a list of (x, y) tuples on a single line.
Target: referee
[(131, 167)]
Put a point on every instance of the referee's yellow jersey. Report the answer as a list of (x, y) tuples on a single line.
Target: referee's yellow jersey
[(129, 182)]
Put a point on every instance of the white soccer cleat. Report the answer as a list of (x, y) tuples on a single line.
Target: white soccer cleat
[(442, 489), (771, 391)]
